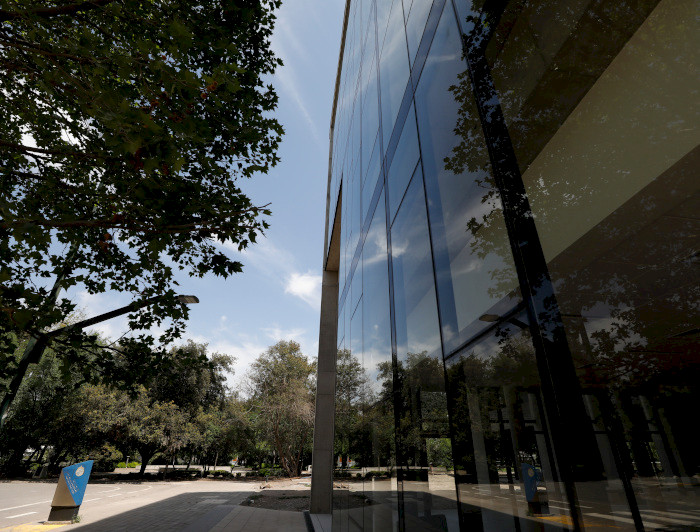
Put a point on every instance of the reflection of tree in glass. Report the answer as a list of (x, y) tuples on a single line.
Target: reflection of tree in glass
[(487, 411), (470, 156), (421, 407), (577, 194)]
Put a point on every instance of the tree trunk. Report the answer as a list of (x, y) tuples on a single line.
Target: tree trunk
[(41, 455), (146, 456), (29, 460), (216, 460)]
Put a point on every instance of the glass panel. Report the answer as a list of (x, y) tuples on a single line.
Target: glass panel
[(505, 467), (424, 461), (350, 438), (475, 271), (355, 208), (356, 286), (602, 109), (380, 489), (370, 113), (416, 12), (403, 163), (393, 69), (371, 177)]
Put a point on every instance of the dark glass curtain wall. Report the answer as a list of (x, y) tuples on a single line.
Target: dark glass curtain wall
[(519, 311)]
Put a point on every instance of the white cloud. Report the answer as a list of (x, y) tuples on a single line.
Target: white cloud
[(248, 347), (285, 39), (306, 286), (276, 333), (280, 266)]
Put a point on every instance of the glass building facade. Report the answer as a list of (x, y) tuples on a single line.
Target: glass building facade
[(514, 217)]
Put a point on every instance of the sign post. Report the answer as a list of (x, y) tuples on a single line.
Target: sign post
[(69, 492), (537, 503)]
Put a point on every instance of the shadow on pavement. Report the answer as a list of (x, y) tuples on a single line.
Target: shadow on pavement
[(187, 511)]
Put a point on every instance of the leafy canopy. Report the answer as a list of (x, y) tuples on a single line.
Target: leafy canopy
[(127, 126)]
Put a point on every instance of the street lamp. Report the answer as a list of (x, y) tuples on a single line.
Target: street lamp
[(37, 344), (187, 300)]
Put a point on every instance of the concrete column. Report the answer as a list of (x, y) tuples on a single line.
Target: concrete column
[(322, 470)]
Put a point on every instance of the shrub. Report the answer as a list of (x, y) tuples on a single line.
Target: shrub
[(275, 471), (106, 459)]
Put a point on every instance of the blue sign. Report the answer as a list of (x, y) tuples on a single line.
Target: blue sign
[(531, 478), (76, 478)]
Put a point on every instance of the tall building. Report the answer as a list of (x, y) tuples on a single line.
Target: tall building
[(510, 328)]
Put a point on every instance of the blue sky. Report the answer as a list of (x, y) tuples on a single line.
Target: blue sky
[(278, 294)]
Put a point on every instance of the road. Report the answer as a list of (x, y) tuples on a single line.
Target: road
[(152, 505)]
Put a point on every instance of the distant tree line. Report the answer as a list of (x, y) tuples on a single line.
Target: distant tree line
[(185, 414)]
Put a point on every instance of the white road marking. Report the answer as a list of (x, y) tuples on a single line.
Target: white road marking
[(673, 513), (662, 517), (23, 505), (139, 491), (623, 519), (559, 507), (117, 495), (20, 515), (90, 500), (564, 502), (108, 491), (668, 519)]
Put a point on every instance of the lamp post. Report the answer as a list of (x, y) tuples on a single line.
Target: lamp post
[(37, 344)]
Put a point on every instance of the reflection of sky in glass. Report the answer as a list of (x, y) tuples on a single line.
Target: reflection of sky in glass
[(393, 69), (475, 269), (376, 331), (414, 290)]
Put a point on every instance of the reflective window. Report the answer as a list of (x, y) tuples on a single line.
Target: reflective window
[(414, 288), (605, 135), (403, 163), (423, 452), (380, 490), (416, 13), (350, 434), (370, 112), (504, 461), (371, 177), (568, 132), (475, 272), (393, 69)]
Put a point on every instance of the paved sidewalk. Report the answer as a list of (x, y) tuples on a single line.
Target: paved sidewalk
[(223, 518), (153, 507), (246, 518)]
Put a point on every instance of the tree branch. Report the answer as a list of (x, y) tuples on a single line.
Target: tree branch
[(30, 149), (133, 225), (30, 48), (48, 12), (38, 177)]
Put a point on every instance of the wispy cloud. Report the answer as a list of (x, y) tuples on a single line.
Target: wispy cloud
[(277, 333), (247, 347), (285, 40), (306, 286), (280, 266)]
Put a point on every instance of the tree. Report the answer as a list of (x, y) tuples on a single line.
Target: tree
[(185, 407), (126, 128), (351, 379), (281, 387)]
